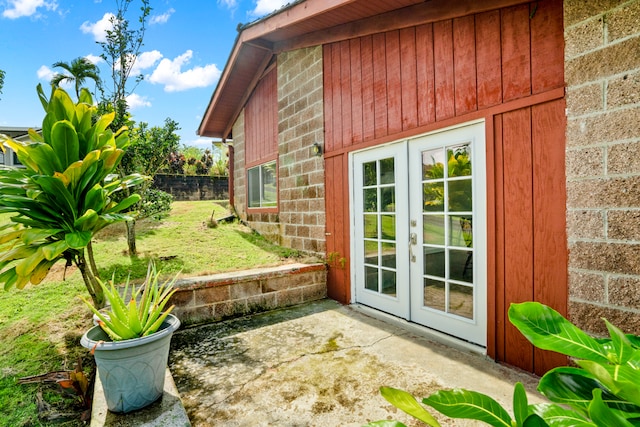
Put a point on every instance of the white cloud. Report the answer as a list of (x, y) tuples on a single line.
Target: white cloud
[(94, 59), (161, 19), (145, 60), (19, 8), (169, 73), (229, 4), (45, 73), (136, 101), (264, 7), (99, 28)]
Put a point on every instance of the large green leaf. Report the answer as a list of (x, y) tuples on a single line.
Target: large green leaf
[(87, 221), (558, 416), (58, 194), (602, 415), (126, 203), (78, 239), (28, 264), (623, 381), (61, 105), (64, 141), (547, 329), (623, 350), (53, 250), (460, 403), (520, 403), (406, 402)]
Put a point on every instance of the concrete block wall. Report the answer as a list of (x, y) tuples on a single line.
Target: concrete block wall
[(239, 173), (232, 294), (602, 72)]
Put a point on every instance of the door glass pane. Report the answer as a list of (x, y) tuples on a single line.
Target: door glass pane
[(461, 265), (388, 282), (461, 300), (460, 196), (461, 231), (459, 161), (389, 254), (388, 199), (371, 252), (370, 197), (371, 226), (433, 164), (387, 174), (433, 228), (433, 196), (388, 223), (434, 261), (434, 294), (371, 278), (369, 174)]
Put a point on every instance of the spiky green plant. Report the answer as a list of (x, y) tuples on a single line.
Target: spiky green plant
[(62, 197), (142, 314)]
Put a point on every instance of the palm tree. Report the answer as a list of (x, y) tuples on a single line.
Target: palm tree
[(78, 71)]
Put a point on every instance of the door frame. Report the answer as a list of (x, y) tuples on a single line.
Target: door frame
[(483, 206)]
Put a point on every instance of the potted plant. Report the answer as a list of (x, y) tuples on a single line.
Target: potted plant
[(131, 341)]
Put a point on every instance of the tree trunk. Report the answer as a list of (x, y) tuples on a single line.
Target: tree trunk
[(92, 261), (94, 289), (131, 237)]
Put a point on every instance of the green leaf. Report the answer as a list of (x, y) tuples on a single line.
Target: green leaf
[(87, 221), (460, 403), (520, 403), (126, 203), (545, 328), (621, 344), (9, 278), (622, 380), (64, 141), (28, 264), (58, 194), (33, 235), (53, 250), (534, 420), (78, 239), (602, 415), (558, 416)]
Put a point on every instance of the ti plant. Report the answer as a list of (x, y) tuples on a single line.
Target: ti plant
[(62, 196), (603, 390), (142, 315)]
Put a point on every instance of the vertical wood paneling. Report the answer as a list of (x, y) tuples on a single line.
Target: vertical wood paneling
[(489, 73), (368, 111), (261, 121), (408, 78), (464, 64), (516, 65), (425, 74), (443, 60), (394, 86), (549, 200), (547, 46), (327, 84), (518, 231), (356, 91), (337, 96), (337, 214), (380, 84), (345, 90)]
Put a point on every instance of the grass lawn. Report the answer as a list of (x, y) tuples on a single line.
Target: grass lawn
[(40, 326)]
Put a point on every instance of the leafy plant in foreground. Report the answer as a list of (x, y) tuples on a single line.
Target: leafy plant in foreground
[(603, 390), (63, 195)]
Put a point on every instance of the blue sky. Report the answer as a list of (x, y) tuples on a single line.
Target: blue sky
[(186, 46)]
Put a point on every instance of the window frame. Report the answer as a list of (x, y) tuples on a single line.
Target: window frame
[(264, 204)]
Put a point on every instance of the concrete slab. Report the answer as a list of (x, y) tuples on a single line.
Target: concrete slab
[(320, 364), (167, 411)]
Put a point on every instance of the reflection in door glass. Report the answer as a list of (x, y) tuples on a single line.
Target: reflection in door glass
[(448, 229), (379, 221)]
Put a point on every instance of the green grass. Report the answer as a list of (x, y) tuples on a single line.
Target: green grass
[(40, 326)]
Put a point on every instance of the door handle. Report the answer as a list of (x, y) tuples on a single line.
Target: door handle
[(413, 239)]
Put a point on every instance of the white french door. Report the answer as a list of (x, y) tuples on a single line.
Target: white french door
[(419, 222)]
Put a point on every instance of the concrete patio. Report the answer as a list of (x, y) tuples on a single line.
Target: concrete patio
[(321, 364)]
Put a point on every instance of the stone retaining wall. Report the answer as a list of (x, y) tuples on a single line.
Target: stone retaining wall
[(225, 295), (193, 187)]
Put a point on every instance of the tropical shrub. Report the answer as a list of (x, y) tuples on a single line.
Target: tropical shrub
[(154, 204), (63, 195), (602, 390)]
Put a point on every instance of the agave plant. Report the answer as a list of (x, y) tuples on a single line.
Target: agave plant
[(142, 315), (62, 197)]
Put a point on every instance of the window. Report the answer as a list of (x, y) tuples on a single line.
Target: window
[(263, 186)]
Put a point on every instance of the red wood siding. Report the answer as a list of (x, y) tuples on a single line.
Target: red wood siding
[(504, 65), (261, 122)]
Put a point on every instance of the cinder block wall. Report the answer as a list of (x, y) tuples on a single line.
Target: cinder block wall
[(239, 173), (602, 71)]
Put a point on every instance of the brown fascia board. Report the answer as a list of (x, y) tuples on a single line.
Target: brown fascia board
[(251, 36)]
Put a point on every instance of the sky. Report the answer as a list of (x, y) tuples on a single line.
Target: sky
[(186, 46)]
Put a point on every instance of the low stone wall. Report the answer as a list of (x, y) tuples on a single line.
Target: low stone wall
[(225, 295), (193, 187)]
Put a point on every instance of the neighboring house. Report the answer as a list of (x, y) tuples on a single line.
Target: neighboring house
[(9, 157), (344, 113)]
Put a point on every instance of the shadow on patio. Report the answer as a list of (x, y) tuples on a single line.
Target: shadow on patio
[(319, 364)]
